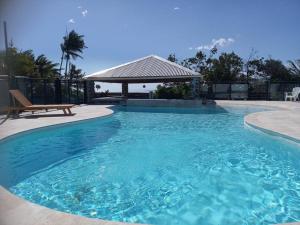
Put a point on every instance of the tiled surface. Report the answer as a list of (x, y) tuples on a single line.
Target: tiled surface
[(284, 119)]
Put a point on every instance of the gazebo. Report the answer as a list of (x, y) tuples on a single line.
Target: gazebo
[(150, 69)]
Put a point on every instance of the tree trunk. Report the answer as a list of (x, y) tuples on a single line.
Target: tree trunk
[(61, 61), (66, 69), (71, 73)]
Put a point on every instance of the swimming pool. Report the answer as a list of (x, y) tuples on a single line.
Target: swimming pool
[(159, 166)]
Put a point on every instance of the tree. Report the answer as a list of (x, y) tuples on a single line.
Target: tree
[(17, 62), (200, 63), (45, 68), (274, 70), (172, 58), (23, 63), (254, 68), (294, 68), (227, 67), (72, 47), (252, 65), (267, 69), (74, 72), (98, 87), (173, 91), (230, 67), (195, 63)]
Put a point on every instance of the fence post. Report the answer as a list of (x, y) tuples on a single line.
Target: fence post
[(267, 91), (15, 83), (58, 91), (85, 99), (45, 91), (210, 94), (248, 90), (69, 91), (229, 91), (31, 90), (77, 92)]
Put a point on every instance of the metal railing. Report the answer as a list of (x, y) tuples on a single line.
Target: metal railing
[(57, 91), (256, 90), (52, 91)]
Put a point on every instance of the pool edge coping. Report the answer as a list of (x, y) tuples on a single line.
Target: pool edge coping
[(271, 132), (273, 108)]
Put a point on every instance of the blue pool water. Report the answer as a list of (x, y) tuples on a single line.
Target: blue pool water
[(158, 166)]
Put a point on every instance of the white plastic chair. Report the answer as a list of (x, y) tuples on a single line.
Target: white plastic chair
[(293, 96)]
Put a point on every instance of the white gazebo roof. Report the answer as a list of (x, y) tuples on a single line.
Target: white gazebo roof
[(148, 69)]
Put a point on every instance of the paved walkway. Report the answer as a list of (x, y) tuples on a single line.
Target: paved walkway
[(284, 119)]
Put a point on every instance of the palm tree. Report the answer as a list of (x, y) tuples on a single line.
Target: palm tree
[(44, 67), (62, 57), (294, 67), (74, 72), (72, 47)]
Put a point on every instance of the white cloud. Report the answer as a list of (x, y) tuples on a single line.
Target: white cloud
[(79, 7), (191, 48), (176, 8), (84, 12), (71, 20), (218, 43)]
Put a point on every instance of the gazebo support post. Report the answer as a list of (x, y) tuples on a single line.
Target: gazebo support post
[(125, 90)]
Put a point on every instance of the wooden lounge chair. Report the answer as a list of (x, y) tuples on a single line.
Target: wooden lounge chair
[(26, 105)]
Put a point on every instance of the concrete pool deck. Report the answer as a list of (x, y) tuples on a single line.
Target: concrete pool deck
[(284, 120), (28, 121)]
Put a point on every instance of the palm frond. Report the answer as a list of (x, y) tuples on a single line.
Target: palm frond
[(294, 67)]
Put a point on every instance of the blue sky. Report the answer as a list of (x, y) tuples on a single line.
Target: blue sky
[(117, 31)]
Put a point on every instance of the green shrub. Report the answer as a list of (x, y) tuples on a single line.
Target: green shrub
[(173, 91)]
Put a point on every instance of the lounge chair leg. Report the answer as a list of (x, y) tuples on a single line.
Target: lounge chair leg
[(69, 110), (17, 113), (8, 112), (65, 112)]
